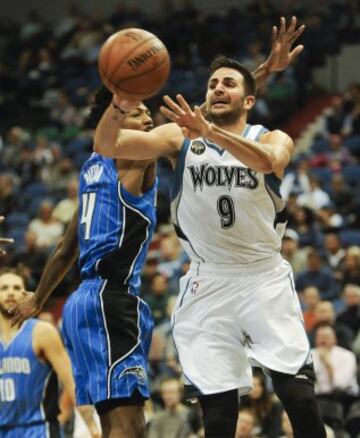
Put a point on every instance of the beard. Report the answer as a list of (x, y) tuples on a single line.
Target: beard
[(5, 312), (228, 117)]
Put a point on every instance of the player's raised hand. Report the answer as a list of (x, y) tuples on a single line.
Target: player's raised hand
[(3, 240), (282, 40), (191, 122), (25, 309)]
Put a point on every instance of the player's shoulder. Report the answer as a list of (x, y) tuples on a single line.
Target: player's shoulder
[(276, 135), (43, 331)]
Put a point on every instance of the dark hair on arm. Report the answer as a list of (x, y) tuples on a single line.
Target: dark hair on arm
[(223, 61), (102, 99)]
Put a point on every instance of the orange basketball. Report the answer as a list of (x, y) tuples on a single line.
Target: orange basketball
[(134, 64)]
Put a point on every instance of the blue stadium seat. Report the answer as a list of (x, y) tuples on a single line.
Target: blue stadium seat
[(18, 234), (78, 145), (350, 237), (14, 220), (353, 144), (320, 145), (323, 174), (351, 175)]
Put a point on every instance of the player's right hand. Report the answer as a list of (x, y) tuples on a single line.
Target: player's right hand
[(25, 309), (124, 105)]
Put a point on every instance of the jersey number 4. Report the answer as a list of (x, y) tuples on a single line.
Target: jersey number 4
[(88, 206), (226, 210)]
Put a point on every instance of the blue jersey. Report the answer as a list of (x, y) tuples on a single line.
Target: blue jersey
[(28, 386), (115, 227)]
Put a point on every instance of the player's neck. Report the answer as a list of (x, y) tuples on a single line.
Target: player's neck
[(6, 331), (237, 127)]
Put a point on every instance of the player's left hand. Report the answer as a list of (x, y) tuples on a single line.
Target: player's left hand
[(25, 309), (282, 40), (191, 122)]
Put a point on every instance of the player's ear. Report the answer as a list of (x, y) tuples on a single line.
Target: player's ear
[(249, 102)]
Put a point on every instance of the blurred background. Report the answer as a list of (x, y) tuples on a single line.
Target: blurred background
[(48, 74)]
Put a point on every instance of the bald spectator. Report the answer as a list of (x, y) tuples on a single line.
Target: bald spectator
[(325, 315), (47, 229), (350, 316), (335, 367), (310, 297)]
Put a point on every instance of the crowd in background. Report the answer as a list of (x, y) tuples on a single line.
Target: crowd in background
[(48, 75)]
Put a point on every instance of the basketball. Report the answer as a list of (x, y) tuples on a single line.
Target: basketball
[(134, 64)]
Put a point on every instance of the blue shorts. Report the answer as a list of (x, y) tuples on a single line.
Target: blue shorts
[(40, 430), (107, 333)]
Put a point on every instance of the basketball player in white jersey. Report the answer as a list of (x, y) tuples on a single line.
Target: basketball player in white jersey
[(237, 305)]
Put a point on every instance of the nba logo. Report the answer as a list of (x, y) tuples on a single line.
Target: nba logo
[(194, 288)]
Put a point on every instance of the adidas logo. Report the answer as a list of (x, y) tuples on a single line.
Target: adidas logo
[(301, 376), (93, 174)]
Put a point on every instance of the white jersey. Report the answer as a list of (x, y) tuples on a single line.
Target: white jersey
[(223, 211)]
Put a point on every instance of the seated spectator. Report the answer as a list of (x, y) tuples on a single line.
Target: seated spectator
[(65, 209), (245, 424), (7, 194), (304, 223), (351, 269), (292, 253), (33, 256), (310, 297), (287, 431), (173, 420), (350, 316), (334, 253), (47, 230), (266, 409), (157, 300), (325, 315), (341, 195), (319, 276), (296, 181), (329, 219), (335, 367), (315, 198)]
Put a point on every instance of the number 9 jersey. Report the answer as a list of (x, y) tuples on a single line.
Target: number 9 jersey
[(223, 211)]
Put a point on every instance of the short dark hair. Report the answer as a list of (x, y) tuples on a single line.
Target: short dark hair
[(102, 99), (223, 61), (19, 270)]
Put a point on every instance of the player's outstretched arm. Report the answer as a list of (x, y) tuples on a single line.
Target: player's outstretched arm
[(57, 266), (112, 141), (282, 51), (269, 155), (47, 344)]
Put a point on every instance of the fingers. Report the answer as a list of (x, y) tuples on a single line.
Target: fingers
[(184, 105), (169, 114), (296, 34), (294, 53), (282, 28), (174, 106), (274, 35)]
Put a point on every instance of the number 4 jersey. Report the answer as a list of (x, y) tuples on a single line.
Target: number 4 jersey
[(115, 227), (28, 386), (223, 211)]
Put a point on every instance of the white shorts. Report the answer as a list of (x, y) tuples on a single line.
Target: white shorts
[(227, 319)]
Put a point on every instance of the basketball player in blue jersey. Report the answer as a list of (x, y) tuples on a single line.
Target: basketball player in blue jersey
[(32, 356), (107, 327), (237, 305)]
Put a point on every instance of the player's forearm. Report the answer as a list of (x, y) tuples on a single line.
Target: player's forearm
[(107, 132), (256, 155), (59, 263), (261, 74)]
